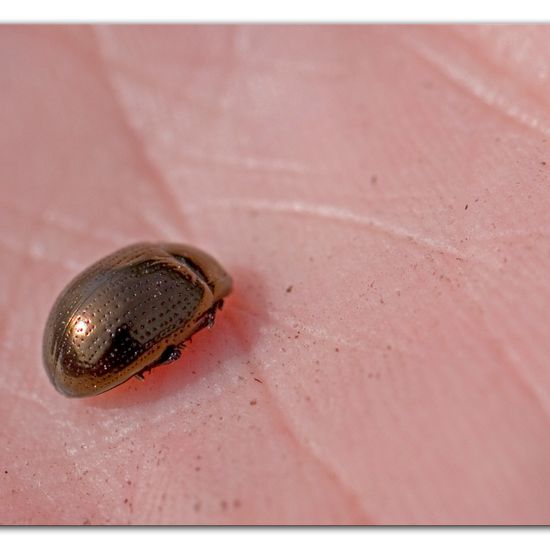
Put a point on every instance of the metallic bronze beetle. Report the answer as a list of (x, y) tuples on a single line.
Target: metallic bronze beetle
[(128, 313)]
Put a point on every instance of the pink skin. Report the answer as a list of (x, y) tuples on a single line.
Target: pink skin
[(381, 197)]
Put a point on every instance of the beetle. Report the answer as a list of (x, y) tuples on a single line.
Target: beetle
[(129, 312)]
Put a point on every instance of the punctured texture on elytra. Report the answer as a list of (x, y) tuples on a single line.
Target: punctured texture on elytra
[(118, 317)]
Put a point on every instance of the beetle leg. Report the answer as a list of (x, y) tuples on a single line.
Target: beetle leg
[(210, 317), (171, 354)]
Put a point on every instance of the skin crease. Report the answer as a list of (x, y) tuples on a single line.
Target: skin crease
[(380, 196)]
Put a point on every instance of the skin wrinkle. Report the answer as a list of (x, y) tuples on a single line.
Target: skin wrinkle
[(153, 499), (335, 215), (495, 63), (252, 164), (101, 471), (9, 300), (246, 163), (28, 253), (504, 357), (59, 221), (93, 57), (160, 225), (30, 486), (137, 78), (172, 202), (358, 514), (465, 80), (27, 396), (30, 483), (159, 421), (246, 64), (292, 325), (513, 235), (29, 249), (528, 371), (308, 70), (289, 428), (98, 450), (510, 43)]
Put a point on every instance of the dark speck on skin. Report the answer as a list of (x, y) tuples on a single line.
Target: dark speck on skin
[(466, 207), (253, 402), (289, 289)]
